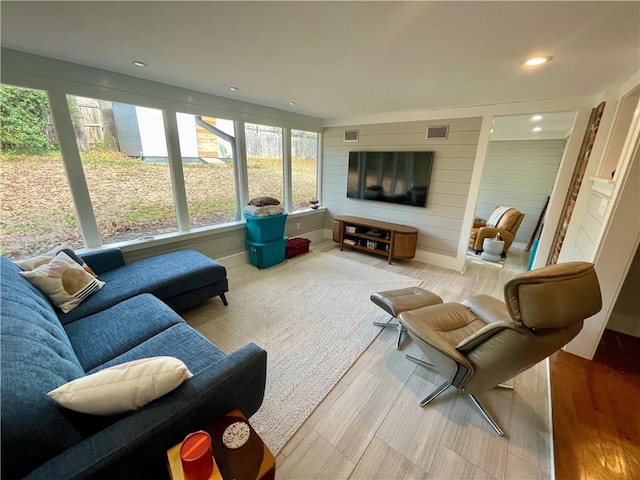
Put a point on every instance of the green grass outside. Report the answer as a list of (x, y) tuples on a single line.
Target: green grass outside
[(130, 198)]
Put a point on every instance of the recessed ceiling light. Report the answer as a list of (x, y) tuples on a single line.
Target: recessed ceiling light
[(138, 63), (536, 118), (292, 103), (234, 89), (537, 129), (535, 61)]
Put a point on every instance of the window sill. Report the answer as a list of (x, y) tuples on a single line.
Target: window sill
[(168, 238)]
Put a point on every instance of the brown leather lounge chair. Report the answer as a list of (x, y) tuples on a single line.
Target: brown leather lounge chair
[(507, 226), (483, 342)]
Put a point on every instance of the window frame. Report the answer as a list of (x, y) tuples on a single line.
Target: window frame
[(171, 100)]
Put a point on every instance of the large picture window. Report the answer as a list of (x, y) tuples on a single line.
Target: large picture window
[(134, 190), (37, 207), (304, 168), (264, 161), (125, 161), (207, 164)]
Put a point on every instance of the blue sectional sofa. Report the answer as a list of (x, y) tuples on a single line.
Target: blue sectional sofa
[(128, 319)]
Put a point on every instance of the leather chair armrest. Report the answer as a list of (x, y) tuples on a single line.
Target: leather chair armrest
[(486, 332), (488, 308)]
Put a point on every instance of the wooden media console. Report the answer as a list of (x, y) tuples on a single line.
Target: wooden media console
[(383, 238)]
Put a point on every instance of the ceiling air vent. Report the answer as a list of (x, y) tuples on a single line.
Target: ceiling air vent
[(350, 136), (439, 132)]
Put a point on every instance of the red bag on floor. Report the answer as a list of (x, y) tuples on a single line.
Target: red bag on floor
[(297, 246)]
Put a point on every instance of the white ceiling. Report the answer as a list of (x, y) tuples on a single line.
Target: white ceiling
[(337, 59)]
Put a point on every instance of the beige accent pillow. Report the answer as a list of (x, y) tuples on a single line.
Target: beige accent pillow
[(122, 388), (64, 282), (34, 262)]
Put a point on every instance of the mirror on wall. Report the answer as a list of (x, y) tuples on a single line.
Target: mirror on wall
[(520, 169)]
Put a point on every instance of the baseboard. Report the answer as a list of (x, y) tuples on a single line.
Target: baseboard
[(624, 324)]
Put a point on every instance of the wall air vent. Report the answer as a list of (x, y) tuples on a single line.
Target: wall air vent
[(439, 132), (350, 136)]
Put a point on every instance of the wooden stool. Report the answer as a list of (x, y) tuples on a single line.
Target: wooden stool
[(394, 302)]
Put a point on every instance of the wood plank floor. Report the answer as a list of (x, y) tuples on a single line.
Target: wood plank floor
[(370, 425), (596, 411)]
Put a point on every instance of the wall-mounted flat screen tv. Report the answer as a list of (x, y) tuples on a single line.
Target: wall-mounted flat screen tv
[(396, 177)]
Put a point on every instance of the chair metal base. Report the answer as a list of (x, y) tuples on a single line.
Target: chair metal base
[(401, 329), (422, 363), (487, 416), (443, 387)]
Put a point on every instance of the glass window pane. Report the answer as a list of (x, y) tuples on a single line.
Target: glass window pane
[(37, 208), (264, 161), (304, 168), (207, 163), (125, 161)]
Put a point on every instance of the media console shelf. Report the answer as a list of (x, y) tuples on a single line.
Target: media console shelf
[(389, 239)]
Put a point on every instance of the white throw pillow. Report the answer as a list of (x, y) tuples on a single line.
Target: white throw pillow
[(122, 388), (65, 282)]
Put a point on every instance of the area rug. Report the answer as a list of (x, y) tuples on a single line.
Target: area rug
[(313, 316)]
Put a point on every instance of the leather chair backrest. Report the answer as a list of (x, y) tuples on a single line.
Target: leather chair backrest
[(510, 220), (554, 296)]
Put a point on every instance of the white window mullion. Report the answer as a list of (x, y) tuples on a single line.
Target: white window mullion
[(286, 169), (319, 170), (73, 166), (241, 175), (175, 167)]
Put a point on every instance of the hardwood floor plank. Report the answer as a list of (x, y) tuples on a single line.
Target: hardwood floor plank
[(315, 458), (351, 422), (381, 462), (596, 420), (529, 429), (470, 435), (413, 430), (518, 469), (451, 466), (315, 416)]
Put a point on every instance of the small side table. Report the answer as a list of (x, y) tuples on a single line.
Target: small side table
[(252, 461), (491, 249)]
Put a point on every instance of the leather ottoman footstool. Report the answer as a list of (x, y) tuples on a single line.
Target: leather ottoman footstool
[(394, 302)]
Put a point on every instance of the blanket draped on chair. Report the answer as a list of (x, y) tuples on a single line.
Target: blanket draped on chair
[(497, 215)]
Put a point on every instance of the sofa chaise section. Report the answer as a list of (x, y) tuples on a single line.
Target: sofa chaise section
[(181, 279)]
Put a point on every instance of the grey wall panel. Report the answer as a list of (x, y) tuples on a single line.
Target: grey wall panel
[(519, 174), (440, 223)]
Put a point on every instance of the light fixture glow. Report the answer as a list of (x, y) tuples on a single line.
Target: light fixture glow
[(536, 118), (292, 103), (234, 89), (138, 63), (537, 129), (536, 61)]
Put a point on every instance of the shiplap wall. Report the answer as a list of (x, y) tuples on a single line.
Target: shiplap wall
[(519, 174), (440, 223)]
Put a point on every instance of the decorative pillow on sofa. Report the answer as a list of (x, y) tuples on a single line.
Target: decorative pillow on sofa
[(34, 262), (65, 282), (122, 388)]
